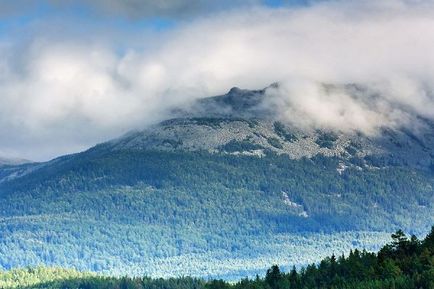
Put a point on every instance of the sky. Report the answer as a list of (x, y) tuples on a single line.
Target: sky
[(76, 73)]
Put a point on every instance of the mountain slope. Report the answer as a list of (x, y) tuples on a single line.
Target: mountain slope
[(224, 185)]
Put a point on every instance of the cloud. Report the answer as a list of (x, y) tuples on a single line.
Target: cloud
[(60, 95), (175, 8), (135, 9), (14, 8), (346, 108), (138, 9), (164, 8)]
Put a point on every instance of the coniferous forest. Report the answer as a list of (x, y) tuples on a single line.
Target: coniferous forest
[(404, 263), (214, 215)]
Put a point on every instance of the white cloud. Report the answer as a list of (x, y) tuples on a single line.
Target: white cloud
[(60, 96)]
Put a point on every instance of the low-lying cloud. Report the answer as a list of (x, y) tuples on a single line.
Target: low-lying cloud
[(59, 96)]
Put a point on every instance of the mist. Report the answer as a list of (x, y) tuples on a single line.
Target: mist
[(62, 93)]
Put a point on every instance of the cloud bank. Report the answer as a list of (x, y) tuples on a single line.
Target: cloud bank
[(60, 95)]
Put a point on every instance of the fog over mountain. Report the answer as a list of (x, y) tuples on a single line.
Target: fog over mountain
[(65, 87)]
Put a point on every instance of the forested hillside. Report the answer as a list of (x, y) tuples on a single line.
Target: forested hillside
[(126, 212), (405, 263)]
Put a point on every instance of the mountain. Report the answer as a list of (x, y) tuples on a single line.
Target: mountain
[(222, 189)]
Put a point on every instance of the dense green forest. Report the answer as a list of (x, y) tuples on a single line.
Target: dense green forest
[(355, 199), (404, 263), (153, 212)]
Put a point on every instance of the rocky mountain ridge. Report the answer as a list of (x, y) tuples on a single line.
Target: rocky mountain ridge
[(240, 122)]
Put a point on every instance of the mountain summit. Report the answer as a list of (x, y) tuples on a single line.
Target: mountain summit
[(246, 122)]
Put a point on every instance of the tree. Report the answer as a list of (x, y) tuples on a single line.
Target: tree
[(273, 277), (399, 240), (390, 270), (294, 279), (429, 240)]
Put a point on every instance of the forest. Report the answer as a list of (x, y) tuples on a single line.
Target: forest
[(201, 214), (404, 263)]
